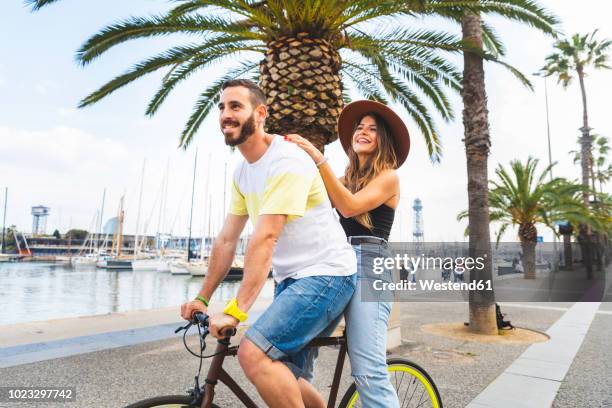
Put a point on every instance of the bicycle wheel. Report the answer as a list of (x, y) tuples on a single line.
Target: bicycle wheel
[(167, 401), (413, 385)]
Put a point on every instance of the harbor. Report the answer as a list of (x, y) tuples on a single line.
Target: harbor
[(34, 291)]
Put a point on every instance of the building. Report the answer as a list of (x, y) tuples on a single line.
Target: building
[(39, 219)]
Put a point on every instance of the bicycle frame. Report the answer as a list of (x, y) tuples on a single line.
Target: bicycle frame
[(216, 372)]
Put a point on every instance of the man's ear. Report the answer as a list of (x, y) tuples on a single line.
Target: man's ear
[(261, 112)]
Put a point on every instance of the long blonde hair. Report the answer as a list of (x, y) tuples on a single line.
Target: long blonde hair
[(384, 158)]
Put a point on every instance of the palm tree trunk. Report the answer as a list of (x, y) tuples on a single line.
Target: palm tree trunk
[(567, 251), (585, 142), (528, 235), (477, 142), (528, 258), (592, 173)]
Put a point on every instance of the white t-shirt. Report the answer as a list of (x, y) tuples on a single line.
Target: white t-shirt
[(286, 181)]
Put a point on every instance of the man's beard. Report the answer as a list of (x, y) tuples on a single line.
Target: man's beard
[(246, 131)]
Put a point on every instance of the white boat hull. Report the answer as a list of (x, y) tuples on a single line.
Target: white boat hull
[(84, 262), (197, 268), (178, 268), (147, 264), (163, 266)]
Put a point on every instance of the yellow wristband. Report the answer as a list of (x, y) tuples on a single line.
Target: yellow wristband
[(232, 309)]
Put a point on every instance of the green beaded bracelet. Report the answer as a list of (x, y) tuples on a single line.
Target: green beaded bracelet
[(202, 299)]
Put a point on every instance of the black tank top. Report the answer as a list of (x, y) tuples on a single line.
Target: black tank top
[(382, 220)]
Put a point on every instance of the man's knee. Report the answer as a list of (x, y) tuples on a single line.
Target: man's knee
[(250, 357)]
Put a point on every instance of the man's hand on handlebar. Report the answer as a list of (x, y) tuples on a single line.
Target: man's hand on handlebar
[(220, 325), (188, 309)]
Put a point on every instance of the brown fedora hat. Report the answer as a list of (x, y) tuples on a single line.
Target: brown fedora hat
[(355, 111)]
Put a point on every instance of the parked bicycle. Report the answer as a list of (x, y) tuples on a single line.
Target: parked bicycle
[(414, 386)]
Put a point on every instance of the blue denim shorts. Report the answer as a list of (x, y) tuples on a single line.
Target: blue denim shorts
[(301, 310)]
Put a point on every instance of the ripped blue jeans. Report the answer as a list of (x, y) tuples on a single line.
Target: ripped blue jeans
[(366, 330)]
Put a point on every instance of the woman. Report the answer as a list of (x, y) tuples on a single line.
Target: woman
[(377, 142)]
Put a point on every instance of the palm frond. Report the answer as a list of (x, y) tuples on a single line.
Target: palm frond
[(38, 4), (421, 38), (364, 81), (177, 55), (182, 71), (419, 61), (141, 27), (417, 111), (491, 42), (526, 12)]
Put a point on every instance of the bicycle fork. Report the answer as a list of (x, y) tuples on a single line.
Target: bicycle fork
[(216, 373)]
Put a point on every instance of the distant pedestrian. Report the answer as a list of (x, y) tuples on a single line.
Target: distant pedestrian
[(458, 272)]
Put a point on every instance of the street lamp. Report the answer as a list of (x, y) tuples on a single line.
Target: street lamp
[(542, 75)]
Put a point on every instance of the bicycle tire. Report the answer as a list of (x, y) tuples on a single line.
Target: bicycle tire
[(167, 401), (419, 377)]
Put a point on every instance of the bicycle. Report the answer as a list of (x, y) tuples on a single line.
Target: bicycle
[(413, 378)]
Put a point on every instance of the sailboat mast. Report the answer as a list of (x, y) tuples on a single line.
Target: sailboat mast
[(206, 208), (136, 246), (224, 188), (4, 221), (209, 221), (195, 163), (162, 207), (120, 238), (70, 239), (100, 224)]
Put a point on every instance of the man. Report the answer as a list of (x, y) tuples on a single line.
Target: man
[(279, 188)]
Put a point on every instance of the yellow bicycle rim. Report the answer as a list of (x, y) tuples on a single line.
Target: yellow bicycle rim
[(410, 371)]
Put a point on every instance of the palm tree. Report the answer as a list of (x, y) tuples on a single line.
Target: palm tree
[(597, 162), (573, 57), (523, 198), (598, 172), (305, 55), (602, 174), (480, 37), (603, 214)]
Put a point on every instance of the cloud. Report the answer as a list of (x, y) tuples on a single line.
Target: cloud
[(60, 150), (63, 167), (65, 112), (45, 87)]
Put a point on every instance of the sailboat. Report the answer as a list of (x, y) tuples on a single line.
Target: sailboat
[(115, 260), (200, 267), (143, 261), (180, 267), (87, 256)]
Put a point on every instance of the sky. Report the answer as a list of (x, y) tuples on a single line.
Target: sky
[(53, 154)]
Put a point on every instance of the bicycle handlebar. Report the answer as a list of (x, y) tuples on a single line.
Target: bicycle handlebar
[(202, 319)]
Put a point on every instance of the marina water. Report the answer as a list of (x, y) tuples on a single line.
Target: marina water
[(32, 291)]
